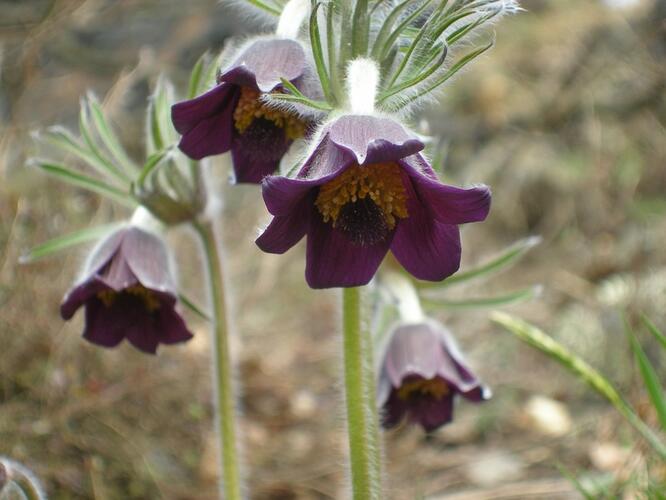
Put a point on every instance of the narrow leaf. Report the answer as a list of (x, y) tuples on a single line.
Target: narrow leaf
[(196, 76), (67, 241), (318, 53), (499, 301), (269, 9), (76, 179), (193, 307), (503, 261), (650, 378), (661, 338), (547, 345), (379, 46), (393, 37)]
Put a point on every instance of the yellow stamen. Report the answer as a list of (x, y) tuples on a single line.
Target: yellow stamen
[(249, 108), (434, 387), (148, 297), (381, 181)]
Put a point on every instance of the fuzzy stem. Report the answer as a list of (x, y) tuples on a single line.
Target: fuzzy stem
[(360, 399), (222, 380), (362, 85), (292, 17)]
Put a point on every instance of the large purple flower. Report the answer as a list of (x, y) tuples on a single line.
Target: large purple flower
[(422, 372), (365, 189), (231, 116), (128, 292)]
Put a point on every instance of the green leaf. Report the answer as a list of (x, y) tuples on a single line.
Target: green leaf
[(538, 339), (503, 261), (77, 179), (269, 9), (650, 378), (575, 482), (318, 53), (360, 29), (193, 307), (63, 139), (67, 241), (380, 47), (498, 301), (151, 164), (661, 338), (393, 37), (196, 76), (108, 136), (297, 97)]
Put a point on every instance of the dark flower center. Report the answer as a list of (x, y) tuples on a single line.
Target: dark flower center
[(250, 109), (364, 202), (134, 293), (434, 388)]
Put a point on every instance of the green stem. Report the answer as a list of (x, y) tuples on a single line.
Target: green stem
[(225, 414), (360, 398)]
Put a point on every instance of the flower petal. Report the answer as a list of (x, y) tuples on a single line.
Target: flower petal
[(373, 140), (450, 204), (268, 61), (432, 413), (147, 257), (171, 327), (332, 260), (257, 152), (80, 295), (101, 327), (285, 231), (457, 372), (394, 410), (206, 122), (428, 249)]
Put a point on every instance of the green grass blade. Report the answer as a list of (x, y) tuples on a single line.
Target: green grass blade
[(269, 9), (538, 339), (503, 261), (77, 179), (575, 482), (193, 307), (318, 53), (499, 301), (67, 241), (197, 75), (661, 338), (650, 379)]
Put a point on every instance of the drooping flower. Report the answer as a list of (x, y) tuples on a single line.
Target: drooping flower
[(233, 117), (365, 189), (421, 374), (128, 291)]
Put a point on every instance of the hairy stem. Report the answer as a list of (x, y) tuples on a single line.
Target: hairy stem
[(222, 379), (360, 398)]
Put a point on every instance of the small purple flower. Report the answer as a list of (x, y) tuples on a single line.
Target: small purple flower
[(232, 117), (363, 190), (421, 373), (128, 292)]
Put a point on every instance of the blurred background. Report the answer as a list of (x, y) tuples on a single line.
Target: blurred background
[(564, 119)]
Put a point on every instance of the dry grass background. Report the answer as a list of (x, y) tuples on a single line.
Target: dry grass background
[(565, 120)]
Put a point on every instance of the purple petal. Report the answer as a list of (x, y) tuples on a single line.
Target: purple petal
[(334, 261), (79, 295), (426, 248), (267, 61), (458, 373), (257, 152), (143, 334), (450, 204), (285, 231), (206, 122), (102, 253), (373, 140), (101, 325), (432, 413), (415, 350), (326, 161), (171, 326), (148, 259), (394, 410)]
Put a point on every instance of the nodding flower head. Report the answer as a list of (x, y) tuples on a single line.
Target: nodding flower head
[(234, 117), (421, 373), (363, 190), (128, 292)]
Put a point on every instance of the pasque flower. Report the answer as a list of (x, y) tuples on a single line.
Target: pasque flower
[(233, 117), (421, 374), (363, 190), (128, 291)]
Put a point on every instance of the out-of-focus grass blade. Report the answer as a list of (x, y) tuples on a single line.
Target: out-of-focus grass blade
[(650, 378), (318, 53), (269, 9), (160, 131), (76, 179), (498, 301), (508, 257), (67, 241), (654, 330), (197, 75), (193, 307), (538, 339), (575, 482), (108, 136)]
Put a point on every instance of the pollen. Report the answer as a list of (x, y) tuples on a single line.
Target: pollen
[(150, 301), (381, 182), (434, 387), (250, 108)]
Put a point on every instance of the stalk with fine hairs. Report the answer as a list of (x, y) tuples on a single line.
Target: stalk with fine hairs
[(225, 414)]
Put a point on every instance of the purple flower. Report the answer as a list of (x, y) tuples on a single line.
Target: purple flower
[(363, 190), (231, 116), (422, 372), (128, 292)]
